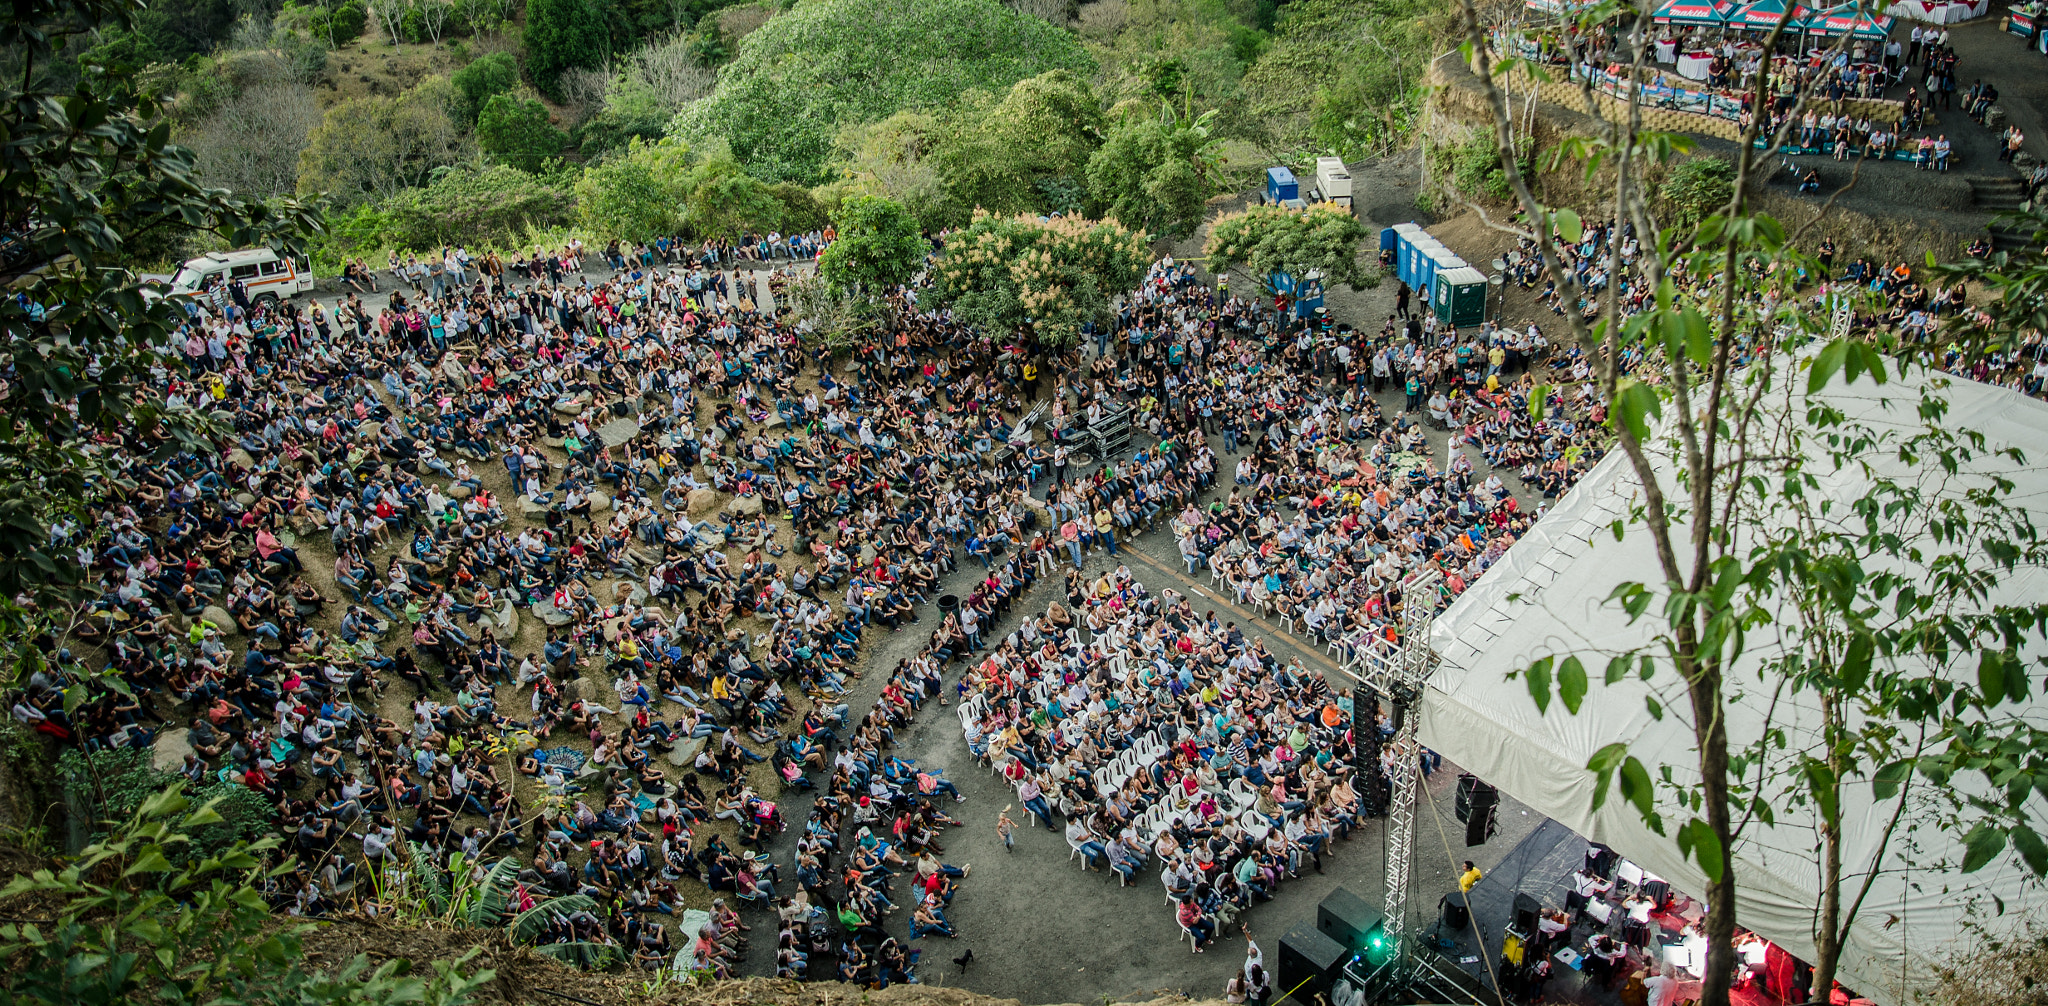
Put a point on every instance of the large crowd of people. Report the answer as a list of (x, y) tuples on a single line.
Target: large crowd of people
[(649, 625)]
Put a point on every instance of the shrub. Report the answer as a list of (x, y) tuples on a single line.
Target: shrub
[(1698, 188), (516, 131), (485, 79), (1476, 171)]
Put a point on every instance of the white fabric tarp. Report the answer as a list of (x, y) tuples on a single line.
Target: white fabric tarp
[(1547, 597)]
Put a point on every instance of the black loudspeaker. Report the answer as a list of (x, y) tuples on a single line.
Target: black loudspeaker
[(1457, 914), (1346, 918), (1309, 962), (1481, 826), (1527, 910), (1472, 795)]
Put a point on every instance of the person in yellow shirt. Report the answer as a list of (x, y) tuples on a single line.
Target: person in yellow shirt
[(1105, 529), (1469, 877)]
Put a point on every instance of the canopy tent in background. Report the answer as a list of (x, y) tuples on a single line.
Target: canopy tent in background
[(1764, 15), (1558, 8), (1709, 13), (1850, 19), (1546, 597), (1939, 11)]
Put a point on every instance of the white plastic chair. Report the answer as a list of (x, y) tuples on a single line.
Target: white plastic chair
[(1076, 853)]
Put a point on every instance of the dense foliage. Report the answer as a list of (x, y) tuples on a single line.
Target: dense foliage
[(1155, 172), (373, 147), (475, 207), (831, 63), (562, 35), (879, 246), (1270, 239), (484, 79), (638, 195), (1045, 277), (515, 131), (144, 914)]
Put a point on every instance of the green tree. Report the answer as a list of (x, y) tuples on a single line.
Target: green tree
[(1000, 154), (515, 131), (493, 205), (1270, 239), (639, 194), (727, 203), (372, 147), (1010, 275), (562, 35), (1155, 173), (879, 246), (89, 176), (483, 79), (827, 64)]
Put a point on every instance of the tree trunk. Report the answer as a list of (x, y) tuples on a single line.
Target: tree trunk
[(1827, 936), (1710, 728)]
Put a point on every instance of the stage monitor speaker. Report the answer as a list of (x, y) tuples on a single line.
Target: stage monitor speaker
[(1309, 962), (1457, 912), (1527, 910), (1347, 918)]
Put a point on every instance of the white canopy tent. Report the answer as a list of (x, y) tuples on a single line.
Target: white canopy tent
[(1546, 597)]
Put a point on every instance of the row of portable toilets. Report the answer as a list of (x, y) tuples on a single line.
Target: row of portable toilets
[(1451, 289)]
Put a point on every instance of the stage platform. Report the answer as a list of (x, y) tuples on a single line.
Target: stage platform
[(1541, 867)]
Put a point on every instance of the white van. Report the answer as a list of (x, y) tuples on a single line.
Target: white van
[(269, 276)]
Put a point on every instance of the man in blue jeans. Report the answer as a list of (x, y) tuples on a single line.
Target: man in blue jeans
[(1034, 801)]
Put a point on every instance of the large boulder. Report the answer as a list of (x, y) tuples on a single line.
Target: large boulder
[(569, 408), (599, 502), (171, 748), (620, 430), (546, 611), (684, 754), (703, 501), (246, 499), (505, 621), (531, 509), (747, 505), (219, 616), (458, 492), (241, 457)]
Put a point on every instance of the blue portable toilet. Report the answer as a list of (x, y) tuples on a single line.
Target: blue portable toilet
[(1307, 293), (1281, 186), (1429, 258), (1390, 239)]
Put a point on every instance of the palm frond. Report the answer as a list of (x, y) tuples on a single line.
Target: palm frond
[(527, 926), (492, 894), (427, 875)]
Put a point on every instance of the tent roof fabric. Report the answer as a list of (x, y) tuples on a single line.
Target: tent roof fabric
[(1545, 597), (1765, 14), (1703, 12), (1847, 19)]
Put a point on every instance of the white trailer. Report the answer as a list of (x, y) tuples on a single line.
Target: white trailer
[(1333, 180)]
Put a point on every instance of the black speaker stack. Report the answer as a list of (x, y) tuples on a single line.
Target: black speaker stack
[(1309, 962), (1477, 803)]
